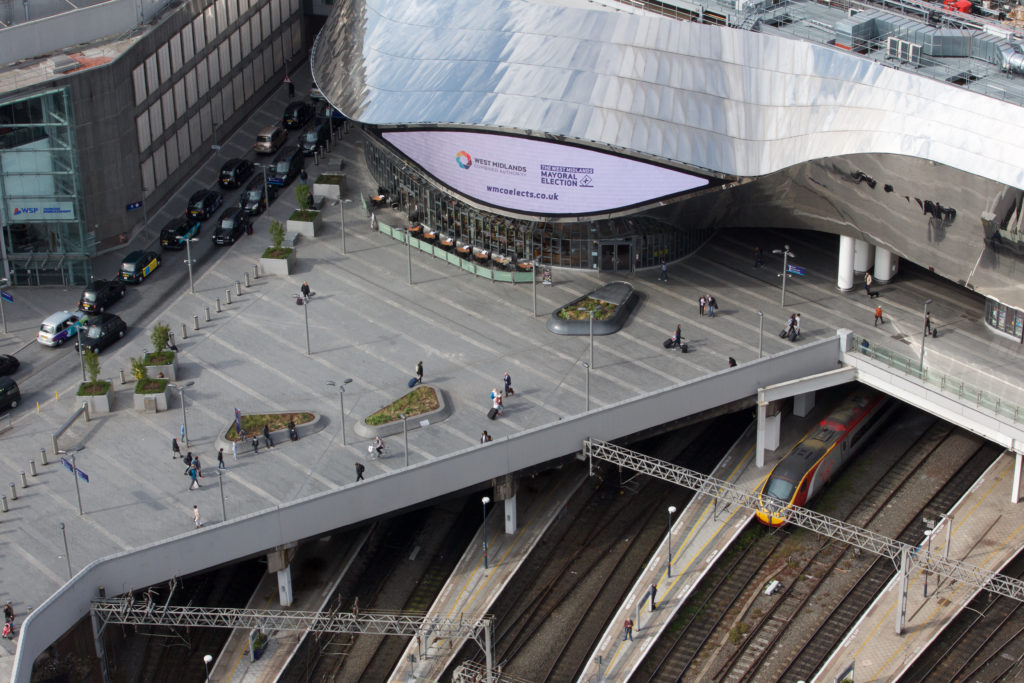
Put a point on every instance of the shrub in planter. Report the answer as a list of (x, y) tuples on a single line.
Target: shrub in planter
[(162, 359), (96, 392), (303, 197), (146, 386)]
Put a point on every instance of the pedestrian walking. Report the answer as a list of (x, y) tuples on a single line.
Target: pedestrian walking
[(790, 329), (664, 271), (796, 326), (266, 436), (636, 262), (220, 460), (878, 316), (927, 324), (498, 405), (181, 430), (194, 476), (196, 519), (234, 450), (711, 305), (508, 384), (627, 629), (758, 257), (701, 303), (197, 465), (485, 437), (867, 283), (175, 449), (291, 85), (359, 470), (8, 612), (304, 289), (255, 444), (654, 593), (419, 372), (303, 176), (188, 460), (293, 434)]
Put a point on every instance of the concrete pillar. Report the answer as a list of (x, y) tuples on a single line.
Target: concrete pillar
[(510, 515), (284, 586), (863, 256), (901, 596), (1015, 487), (803, 404), (844, 276), (887, 265), (279, 562), (769, 428)]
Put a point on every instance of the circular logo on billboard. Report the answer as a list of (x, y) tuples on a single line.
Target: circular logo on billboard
[(463, 159)]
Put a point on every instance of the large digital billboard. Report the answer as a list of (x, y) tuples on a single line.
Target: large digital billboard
[(532, 176)]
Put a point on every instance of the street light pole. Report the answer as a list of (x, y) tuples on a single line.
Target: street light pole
[(405, 433), (786, 255), (408, 242), (930, 523), (591, 337), (341, 203), (181, 395), (206, 660), (587, 366), (78, 491), (485, 500), (341, 401), (760, 334), (67, 557), (924, 334), (671, 511), (188, 260)]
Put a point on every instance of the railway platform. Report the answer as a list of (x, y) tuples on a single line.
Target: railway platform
[(986, 532), (699, 536)]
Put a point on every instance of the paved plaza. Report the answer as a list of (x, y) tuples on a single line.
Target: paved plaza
[(367, 323)]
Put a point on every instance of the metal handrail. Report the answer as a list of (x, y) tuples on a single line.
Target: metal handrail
[(947, 384)]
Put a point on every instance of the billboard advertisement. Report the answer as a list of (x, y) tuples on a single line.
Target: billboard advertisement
[(533, 176)]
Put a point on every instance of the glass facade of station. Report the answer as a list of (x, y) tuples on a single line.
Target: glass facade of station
[(44, 239), (615, 244)]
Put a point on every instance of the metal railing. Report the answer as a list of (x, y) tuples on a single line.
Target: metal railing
[(946, 384)]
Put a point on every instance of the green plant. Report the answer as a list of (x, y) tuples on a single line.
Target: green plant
[(304, 215), (160, 336), (277, 252), (276, 234), (151, 386), (92, 364), (418, 401), (329, 179), (96, 388), (303, 197), (139, 369), (737, 632)]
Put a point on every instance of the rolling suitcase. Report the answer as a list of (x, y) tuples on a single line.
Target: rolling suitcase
[(667, 343), (413, 381), (492, 413)]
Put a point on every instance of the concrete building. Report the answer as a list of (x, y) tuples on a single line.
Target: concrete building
[(93, 133)]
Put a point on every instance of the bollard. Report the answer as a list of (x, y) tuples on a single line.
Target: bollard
[(32, 467), (195, 321), (218, 305), (184, 331), (238, 288), (208, 314), (14, 491), (170, 340), (255, 271), (124, 379), (42, 454), (227, 295), (247, 284), (3, 503), (24, 480)]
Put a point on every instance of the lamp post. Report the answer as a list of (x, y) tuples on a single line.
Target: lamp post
[(924, 335), (181, 394), (206, 660), (590, 311), (301, 300), (760, 334), (341, 401), (3, 282), (930, 523), (74, 474), (188, 260), (668, 561), (408, 243), (405, 433), (67, 557), (78, 343), (485, 500), (266, 185), (786, 255), (587, 366), (342, 203)]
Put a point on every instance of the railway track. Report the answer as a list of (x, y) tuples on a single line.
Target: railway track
[(985, 642), (556, 608)]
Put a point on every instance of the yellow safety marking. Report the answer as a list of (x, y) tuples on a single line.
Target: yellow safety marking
[(912, 581)]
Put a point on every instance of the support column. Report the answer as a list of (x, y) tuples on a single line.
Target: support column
[(863, 256), (1015, 488), (844, 276), (803, 404), (887, 265), (284, 586), (279, 562), (505, 488), (510, 515), (901, 597), (769, 423), (97, 641)]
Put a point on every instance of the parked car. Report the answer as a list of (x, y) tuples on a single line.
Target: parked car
[(296, 115), (59, 327), (287, 166), (175, 233), (253, 200), (8, 364), (10, 394), (203, 203), (234, 172), (100, 294), (315, 137), (270, 139), (138, 265), (233, 224), (101, 331)]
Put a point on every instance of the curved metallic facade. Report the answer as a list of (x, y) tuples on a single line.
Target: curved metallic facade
[(815, 137)]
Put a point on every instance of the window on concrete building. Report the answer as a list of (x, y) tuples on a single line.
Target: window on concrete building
[(142, 130), (188, 50), (139, 84)]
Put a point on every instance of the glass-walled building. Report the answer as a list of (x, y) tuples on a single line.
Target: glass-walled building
[(620, 243), (44, 240)]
